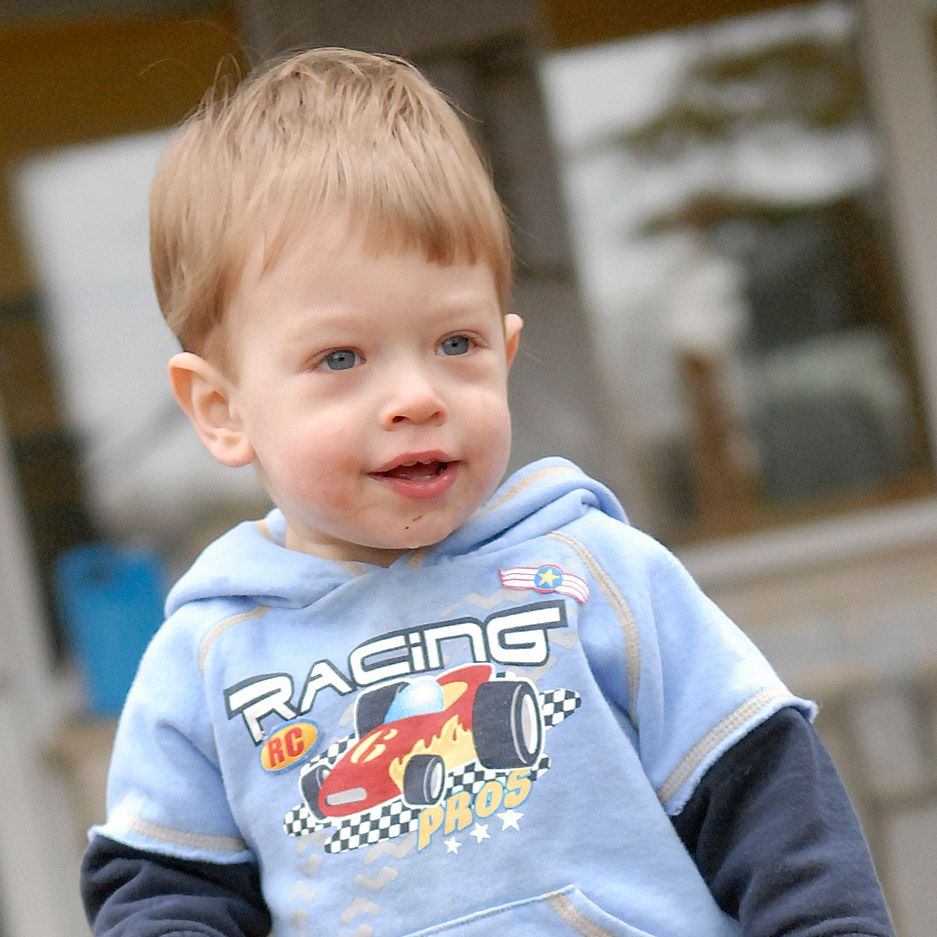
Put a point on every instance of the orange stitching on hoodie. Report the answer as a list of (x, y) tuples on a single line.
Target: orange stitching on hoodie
[(222, 627)]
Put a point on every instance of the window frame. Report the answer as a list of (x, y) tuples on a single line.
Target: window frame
[(898, 53)]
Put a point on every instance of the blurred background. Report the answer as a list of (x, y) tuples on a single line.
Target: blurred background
[(726, 223)]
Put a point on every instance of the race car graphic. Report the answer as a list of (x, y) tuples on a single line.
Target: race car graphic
[(413, 734), (419, 742)]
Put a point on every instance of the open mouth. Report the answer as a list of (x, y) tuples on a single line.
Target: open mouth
[(416, 471), (419, 475)]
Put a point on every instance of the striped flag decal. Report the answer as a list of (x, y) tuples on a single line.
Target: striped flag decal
[(546, 578)]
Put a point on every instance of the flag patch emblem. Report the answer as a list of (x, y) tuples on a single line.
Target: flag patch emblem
[(546, 578)]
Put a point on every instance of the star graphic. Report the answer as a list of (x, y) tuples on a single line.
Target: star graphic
[(547, 577), (452, 845), (510, 819), (480, 832)]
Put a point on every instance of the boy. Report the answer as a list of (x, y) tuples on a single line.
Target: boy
[(407, 702)]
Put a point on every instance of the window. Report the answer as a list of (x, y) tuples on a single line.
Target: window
[(727, 195)]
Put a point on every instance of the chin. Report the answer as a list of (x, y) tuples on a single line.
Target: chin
[(421, 537), (415, 543)]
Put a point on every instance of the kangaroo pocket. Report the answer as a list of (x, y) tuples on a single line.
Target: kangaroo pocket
[(557, 914)]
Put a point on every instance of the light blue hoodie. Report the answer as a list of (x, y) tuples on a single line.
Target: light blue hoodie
[(488, 735)]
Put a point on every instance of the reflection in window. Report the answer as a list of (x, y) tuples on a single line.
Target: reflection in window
[(727, 206)]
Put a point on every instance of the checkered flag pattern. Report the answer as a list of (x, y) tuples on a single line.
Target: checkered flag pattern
[(336, 750), (365, 829), (395, 818), (556, 705)]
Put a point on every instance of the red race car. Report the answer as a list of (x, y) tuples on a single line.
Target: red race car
[(412, 733)]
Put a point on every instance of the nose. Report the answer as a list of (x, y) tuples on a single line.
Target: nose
[(413, 399)]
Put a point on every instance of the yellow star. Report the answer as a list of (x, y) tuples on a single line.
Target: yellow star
[(547, 577)]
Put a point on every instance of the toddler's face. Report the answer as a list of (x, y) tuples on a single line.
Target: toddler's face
[(373, 391)]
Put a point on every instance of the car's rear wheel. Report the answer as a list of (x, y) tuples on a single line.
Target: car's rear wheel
[(507, 724), (371, 708), (424, 780)]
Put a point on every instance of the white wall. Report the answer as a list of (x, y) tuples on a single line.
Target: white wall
[(39, 845)]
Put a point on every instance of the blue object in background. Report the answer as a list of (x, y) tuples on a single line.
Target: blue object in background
[(111, 600)]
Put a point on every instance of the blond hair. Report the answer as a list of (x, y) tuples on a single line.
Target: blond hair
[(320, 133)]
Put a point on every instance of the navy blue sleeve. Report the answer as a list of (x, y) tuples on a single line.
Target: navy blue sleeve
[(776, 840), (128, 893)]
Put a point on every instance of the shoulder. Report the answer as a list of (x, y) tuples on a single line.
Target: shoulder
[(185, 637), (631, 556)]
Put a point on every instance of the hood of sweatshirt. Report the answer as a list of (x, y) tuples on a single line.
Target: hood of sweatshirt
[(251, 562)]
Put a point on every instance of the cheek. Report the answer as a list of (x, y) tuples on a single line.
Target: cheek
[(311, 458), (491, 427), (493, 418), (325, 456)]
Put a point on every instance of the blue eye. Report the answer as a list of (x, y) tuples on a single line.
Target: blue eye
[(340, 360), (455, 345)]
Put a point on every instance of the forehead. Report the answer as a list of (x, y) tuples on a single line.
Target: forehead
[(335, 253), (356, 225), (325, 278)]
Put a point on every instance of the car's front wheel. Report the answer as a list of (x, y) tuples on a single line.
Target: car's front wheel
[(424, 779), (310, 783)]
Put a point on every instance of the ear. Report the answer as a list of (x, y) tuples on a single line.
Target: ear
[(513, 324), (205, 395)]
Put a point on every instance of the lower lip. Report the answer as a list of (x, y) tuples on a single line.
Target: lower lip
[(420, 489)]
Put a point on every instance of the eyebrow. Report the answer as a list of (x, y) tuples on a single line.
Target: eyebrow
[(329, 320), (466, 302)]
